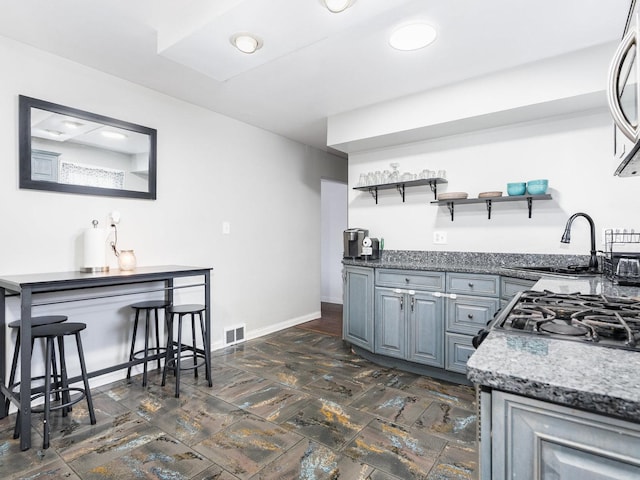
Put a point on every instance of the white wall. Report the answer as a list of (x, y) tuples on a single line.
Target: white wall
[(210, 169), (333, 223), (575, 153)]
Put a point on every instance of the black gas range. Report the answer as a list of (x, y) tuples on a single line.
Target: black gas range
[(597, 319)]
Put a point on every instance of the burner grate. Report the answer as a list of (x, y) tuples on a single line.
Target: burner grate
[(607, 321)]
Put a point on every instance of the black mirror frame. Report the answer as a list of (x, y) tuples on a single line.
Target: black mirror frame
[(24, 133)]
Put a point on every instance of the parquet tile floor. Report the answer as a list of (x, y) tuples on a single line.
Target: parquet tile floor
[(296, 404)]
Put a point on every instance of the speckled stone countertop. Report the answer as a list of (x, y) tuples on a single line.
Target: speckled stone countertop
[(581, 375), (468, 262), (585, 376)]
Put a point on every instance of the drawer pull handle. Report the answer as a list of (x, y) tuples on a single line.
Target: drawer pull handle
[(470, 316), (470, 284), (406, 280)]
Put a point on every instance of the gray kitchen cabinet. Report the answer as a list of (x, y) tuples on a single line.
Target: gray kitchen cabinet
[(472, 301), (44, 165), (467, 314), (510, 286), (358, 301), (408, 325), (459, 348), (409, 315), (536, 439)]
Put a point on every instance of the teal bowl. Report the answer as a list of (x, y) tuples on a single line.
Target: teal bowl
[(516, 188), (537, 187)]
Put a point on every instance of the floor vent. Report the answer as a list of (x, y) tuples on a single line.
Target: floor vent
[(234, 335)]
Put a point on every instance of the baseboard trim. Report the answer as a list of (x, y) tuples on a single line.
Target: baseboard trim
[(276, 327)]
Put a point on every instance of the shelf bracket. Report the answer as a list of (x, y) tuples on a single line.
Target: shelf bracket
[(529, 204), (489, 209), (450, 207), (374, 193), (400, 188), (434, 189)]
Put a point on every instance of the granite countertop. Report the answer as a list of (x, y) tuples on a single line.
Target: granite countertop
[(580, 375)]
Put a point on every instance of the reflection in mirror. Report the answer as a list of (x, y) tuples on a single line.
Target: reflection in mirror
[(65, 149)]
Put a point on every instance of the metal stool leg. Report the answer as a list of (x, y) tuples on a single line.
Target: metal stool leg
[(133, 342), (85, 379), (66, 396), (207, 351), (47, 390), (157, 336), (178, 354), (168, 354)]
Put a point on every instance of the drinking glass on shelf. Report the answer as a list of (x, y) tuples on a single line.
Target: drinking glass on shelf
[(362, 181), (442, 174)]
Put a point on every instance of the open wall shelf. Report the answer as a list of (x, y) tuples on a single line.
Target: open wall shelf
[(400, 186), (450, 204)]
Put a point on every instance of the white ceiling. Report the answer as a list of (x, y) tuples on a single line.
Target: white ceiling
[(314, 63)]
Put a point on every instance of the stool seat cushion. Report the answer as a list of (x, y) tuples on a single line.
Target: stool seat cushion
[(44, 320), (151, 304), (191, 308), (57, 329)]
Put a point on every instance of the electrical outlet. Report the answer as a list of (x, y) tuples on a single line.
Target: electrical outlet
[(439, 238)]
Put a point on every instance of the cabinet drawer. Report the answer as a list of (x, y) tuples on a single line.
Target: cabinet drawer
[(458, 350), (510, 286), (469, 314), (413, 279), (473, 284)]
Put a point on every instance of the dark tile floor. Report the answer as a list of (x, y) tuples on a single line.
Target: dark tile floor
[(296, 404)]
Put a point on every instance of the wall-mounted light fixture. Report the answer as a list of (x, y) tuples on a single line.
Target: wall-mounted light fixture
[(337, 6), (246, 42)]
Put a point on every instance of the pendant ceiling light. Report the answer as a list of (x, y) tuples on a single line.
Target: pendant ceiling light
[(413, 36), (246, 43), (337, 6)]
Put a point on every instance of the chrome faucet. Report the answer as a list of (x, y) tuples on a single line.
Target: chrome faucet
[(566, 237)]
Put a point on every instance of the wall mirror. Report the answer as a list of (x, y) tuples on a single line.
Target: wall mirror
[(64, 149)]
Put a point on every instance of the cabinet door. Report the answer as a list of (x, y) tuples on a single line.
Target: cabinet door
[(473, 284), (357, 313), (510, 286), (458, 349), (390, 323), (44, 165), (541, 440), (426, 324), (467, 314)]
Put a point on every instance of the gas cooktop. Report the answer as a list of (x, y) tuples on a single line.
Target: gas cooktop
[(599, 319)]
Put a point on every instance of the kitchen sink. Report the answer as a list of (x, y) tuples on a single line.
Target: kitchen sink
[(569, 271)]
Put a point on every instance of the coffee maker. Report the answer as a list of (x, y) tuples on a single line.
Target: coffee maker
[(358, 244)]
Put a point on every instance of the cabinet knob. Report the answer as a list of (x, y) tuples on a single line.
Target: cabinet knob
[(470, 315), (470, 284), (406, 280)]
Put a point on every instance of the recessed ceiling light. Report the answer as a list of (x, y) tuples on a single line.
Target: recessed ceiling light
[(71, 124), (246, 42), (413, 36), (337, 6), (54, 133), (112, 134)]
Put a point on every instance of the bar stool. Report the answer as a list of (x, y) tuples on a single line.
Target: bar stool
[(50, 333), (147, 307), (35, 322), (175, 349)]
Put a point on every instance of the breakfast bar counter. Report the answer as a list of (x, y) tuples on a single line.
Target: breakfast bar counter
[(29, 286)]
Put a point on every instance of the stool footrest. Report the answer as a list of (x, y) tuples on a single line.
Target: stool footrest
[(70, 403)]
